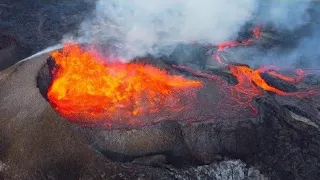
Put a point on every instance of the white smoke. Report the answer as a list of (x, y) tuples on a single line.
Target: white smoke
[(139, 27), (299, 22), (285, 14)]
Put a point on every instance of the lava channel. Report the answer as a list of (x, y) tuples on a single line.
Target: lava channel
[(245, 74), (250, 82)]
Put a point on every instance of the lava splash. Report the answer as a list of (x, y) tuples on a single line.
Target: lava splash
[(89, 89)]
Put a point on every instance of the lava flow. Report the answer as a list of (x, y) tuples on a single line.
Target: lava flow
[(249, 79), (89, 89), (245, 73), (250, 82), (225, 45)]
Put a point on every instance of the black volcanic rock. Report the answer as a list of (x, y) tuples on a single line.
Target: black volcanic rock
[(229, 137), (233, 170), (279, 84), (43, 80), (290, 142)]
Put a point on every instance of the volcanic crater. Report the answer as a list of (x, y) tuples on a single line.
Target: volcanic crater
[(193, 115), (89, 89), (202, 100), (210, 118)]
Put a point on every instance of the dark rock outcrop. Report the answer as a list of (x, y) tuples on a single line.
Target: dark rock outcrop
[(233, 170)]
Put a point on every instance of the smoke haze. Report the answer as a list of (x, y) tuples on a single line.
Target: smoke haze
[(140, 27), (298, 24)]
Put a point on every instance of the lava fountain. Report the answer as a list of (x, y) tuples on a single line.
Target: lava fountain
[(90, 89)]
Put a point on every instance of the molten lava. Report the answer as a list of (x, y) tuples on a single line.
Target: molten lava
[(250, 83), (300, 74), (87, 88), (248, 77), (245, 74), (226, 45)]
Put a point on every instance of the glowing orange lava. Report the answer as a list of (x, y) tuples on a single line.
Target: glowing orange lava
[(300, 74), (249, 79), (86, 86), (226, 45), (245, 74)]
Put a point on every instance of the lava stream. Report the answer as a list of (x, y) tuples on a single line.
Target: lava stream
[(245, 74)]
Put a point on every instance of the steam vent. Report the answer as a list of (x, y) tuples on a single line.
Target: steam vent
[(245, 108)]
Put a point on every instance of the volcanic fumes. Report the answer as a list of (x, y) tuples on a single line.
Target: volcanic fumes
[(89, 89)]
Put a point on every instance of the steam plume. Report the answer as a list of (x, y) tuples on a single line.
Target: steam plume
[(298, 24), (140, 27)]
